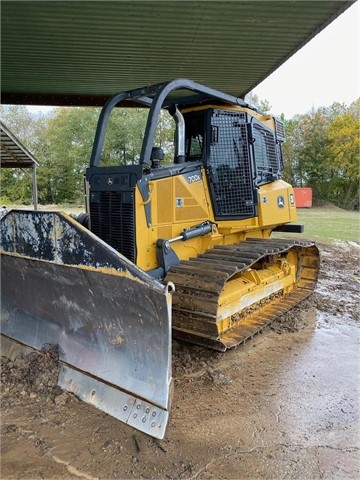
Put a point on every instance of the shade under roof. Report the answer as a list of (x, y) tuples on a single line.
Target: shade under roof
[(80, 53)]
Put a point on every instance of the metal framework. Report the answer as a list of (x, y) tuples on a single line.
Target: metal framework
[(15, 155)]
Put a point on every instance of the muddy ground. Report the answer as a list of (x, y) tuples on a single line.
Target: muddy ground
[(284, 406)]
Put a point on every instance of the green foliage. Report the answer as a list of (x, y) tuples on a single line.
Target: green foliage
[(322, 152), (262, 105), (16, 184), (344, 157), (289, 149), (62, 143), (63, 151), (125, 136)]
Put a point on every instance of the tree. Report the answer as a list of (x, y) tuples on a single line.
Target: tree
[(290, 149), (312, 153), (262, 105), (64, 151), (21, 123), (125, 136), (344, 157), (16, 184), (62, 143), (322, 152)]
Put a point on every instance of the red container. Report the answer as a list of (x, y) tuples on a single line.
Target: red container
[(303, 197)]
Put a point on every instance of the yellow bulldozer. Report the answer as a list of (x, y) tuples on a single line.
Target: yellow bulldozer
[(180, 249)]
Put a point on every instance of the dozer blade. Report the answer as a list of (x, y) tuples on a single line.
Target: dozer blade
[(111, 322), (230, 293)]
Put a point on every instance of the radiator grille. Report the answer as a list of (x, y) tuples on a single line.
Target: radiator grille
[(113, 220), (229, 166)]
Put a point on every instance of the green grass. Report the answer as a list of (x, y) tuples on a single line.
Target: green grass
[(329, 224)]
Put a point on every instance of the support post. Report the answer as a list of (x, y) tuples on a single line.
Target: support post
[(34, 185)]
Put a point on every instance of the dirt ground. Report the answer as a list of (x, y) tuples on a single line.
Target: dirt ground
[(284, 406)]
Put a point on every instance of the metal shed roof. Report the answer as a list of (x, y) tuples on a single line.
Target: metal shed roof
[(13, 153), (80, 53)]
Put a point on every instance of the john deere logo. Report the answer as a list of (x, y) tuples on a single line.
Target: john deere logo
[(281, 201)]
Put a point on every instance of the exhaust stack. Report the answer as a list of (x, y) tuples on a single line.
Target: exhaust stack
[(180, 134)]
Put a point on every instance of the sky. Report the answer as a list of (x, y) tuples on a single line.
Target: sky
[(324, 71)]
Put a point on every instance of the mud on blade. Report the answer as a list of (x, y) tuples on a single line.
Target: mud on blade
[(62, 285)]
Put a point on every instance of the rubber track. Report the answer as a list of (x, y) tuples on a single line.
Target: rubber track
[(199, 282)]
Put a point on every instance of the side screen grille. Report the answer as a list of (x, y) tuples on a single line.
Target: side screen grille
[(112, 219), (266, 156), (229, 166), (280, 130)]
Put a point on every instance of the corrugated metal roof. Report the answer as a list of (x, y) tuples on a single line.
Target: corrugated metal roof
[(13, 153), (74, 52)]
